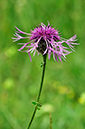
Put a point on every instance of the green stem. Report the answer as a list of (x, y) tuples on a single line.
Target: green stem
[(41, 85)]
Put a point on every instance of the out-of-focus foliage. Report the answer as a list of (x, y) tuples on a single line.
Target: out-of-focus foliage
[(63, 93)]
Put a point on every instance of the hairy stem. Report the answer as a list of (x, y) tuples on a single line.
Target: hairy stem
[(39, 94)]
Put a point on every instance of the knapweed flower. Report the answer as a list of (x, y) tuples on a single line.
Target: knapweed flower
[(46, 40)]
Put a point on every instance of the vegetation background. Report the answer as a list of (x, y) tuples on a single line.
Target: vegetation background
[(63, 92)]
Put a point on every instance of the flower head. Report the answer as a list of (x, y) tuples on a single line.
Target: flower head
[(46, 40)]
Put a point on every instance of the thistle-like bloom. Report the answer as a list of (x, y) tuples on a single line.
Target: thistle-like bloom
[(46, 40)]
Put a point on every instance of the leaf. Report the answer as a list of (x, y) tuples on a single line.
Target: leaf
[(34, 103), (38, 108)]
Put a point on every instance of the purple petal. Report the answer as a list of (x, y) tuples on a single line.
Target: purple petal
[(29, 54), (23, 46)]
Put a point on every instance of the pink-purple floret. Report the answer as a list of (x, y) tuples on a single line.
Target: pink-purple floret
[(52, 41)]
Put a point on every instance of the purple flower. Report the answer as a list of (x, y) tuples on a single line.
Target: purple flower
[(46, 40)]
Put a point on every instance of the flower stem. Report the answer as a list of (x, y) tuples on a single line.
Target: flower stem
[(39, 94)]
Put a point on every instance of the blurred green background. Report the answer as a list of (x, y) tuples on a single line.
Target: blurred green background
[(63, 92)]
